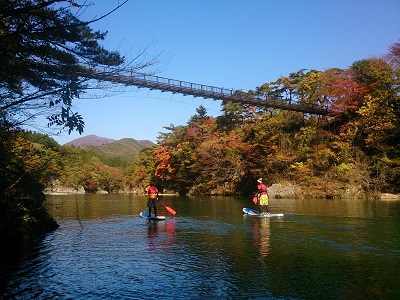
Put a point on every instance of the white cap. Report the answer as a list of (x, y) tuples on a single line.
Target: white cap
[(259, 180)]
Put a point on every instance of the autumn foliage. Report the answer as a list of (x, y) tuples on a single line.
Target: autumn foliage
[(353, 148)]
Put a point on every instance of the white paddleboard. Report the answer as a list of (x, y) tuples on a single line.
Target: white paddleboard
[(255, 213), (145, 215)]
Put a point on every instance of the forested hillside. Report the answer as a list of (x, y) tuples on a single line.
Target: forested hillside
[(118, 153), (352, 152), (93, 168), (114, 153)]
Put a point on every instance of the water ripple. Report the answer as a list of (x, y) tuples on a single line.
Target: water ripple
[(299, 256)]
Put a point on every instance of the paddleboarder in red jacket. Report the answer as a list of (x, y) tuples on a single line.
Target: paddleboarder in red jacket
[(152, 193)]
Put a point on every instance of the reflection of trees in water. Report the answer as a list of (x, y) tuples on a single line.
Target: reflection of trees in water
[(161, 233), (262, 234)]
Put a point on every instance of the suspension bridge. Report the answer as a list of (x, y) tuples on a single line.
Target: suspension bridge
[(163, 84)]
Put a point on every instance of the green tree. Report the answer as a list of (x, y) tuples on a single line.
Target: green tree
[(289, 86), (142, 169), (109, 179), (49, 57), (382, 100), (184, 163), (24, 168), (201, 115)]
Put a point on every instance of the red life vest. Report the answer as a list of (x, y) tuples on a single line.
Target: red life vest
[(262, 189), (152, 191)]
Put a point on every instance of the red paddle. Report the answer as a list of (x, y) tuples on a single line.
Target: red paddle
[(168, 208), (255, 199)]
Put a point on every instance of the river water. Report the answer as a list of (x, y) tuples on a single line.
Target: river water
[(320, 249)]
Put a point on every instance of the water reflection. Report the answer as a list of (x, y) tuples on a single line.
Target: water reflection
[(161, 234), (262, 233), (152, 232)]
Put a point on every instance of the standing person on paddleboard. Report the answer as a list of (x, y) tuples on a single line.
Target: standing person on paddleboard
[(152, 193), (262, 196)]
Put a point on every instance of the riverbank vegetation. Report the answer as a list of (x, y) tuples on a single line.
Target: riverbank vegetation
[(351, 152), (354, 150)]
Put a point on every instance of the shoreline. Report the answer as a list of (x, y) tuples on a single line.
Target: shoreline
[(275, 191)]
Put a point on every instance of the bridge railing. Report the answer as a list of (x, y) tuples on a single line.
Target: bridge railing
[(183, 84), (207, 91)]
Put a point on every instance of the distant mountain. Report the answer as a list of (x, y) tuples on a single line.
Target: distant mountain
[(111, 150), (89, 140), (94, 140)]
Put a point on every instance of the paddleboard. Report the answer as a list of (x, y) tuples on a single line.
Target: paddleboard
[(255, 213), (145, 215)]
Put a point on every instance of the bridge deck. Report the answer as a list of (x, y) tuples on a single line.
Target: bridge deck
[(205, 91)]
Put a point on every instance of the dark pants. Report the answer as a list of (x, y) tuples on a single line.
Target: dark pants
[(152, 203)]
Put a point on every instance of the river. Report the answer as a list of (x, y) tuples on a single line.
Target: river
[(320, 249)]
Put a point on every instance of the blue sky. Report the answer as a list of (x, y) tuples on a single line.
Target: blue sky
[(227, 43)]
